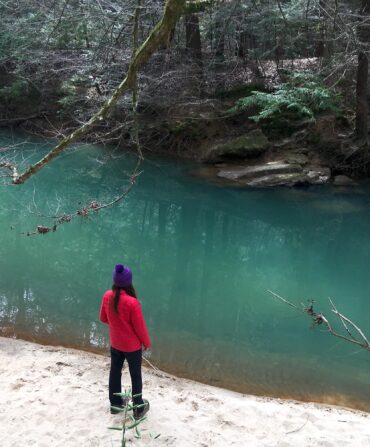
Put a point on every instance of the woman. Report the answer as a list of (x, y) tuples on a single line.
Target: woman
[(121, 310)]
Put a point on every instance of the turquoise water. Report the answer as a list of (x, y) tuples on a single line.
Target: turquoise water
[(203, 258)]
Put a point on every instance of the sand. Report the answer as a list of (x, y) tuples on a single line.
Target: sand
[(53, 396)]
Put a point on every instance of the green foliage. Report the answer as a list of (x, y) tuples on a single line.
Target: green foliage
[(303, 96), (71, 90), (239, 91), (196, 6), (71, 33), (128, 420), (14, 91), (19, 93)]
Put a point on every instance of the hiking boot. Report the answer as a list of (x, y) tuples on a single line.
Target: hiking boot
[(116, 409), (142, 410)]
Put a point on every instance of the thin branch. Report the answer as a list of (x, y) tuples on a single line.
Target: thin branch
[(319, 319), (85, 211), (334, 309), (282, 12), (343, 317), (283, 299)]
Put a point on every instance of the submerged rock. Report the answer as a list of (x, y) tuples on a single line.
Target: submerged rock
[(337, 206), (342, 180), (249, 145)]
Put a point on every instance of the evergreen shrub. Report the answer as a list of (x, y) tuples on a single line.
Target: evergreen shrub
[(302, 97)]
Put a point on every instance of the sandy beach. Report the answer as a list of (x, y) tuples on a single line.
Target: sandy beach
[(54, 396)]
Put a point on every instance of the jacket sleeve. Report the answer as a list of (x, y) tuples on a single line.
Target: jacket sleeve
[(139, 325), (103, 315)]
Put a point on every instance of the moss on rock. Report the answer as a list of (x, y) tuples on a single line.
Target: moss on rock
[(250, 145)]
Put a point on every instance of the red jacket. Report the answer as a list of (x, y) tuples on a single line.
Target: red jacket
[(127, 329)]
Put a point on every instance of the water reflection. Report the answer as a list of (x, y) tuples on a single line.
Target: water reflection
[(202, 257)]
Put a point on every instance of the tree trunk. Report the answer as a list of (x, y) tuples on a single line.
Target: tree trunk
[(362, 106), (193, 42), (243, 45), (219, 38), (324, 47), (220, 46), (361, 96)]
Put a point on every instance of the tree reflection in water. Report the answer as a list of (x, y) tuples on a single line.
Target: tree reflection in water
[(203, 257)]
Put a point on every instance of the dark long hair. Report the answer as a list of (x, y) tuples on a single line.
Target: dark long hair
[(130, 290)]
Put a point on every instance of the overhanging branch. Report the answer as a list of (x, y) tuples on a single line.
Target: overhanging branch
[(160, 35)]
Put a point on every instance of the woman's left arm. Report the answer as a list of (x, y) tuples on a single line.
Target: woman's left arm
[(103, 315)]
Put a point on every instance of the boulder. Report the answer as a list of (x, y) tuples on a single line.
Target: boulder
[(342, 180), (285, 179), (265, 169), (250, 145), (317, 175), (324, 132), (296, 157), (276, 173)]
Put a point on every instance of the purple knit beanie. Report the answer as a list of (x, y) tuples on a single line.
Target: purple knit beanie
[(122, 276)]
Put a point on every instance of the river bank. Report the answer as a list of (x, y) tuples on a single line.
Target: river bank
[(58, 396), (229, 149)]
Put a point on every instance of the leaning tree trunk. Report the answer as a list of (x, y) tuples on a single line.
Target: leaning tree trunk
[(159, 36)]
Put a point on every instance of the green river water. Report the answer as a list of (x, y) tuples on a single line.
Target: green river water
[(203, 257)]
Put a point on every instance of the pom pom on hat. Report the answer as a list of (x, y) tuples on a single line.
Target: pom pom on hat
[(119, 268), (122, 276)]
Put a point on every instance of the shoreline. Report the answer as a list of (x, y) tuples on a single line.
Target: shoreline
[(56, 396), (336, 400), (187, 156)]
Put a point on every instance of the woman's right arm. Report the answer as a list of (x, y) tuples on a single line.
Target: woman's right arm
[(139, 325)]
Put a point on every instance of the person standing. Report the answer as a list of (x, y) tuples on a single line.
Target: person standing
[(128, 334)]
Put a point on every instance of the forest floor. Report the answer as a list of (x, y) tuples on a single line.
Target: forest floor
[(54, 396)]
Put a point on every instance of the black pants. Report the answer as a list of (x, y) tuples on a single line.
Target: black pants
[(116, 365)]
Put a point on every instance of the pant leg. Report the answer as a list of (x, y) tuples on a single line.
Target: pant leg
[(117, 358), (134, 364)]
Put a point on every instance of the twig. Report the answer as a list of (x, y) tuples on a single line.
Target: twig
[(341, 319), (319, 318), (157, 371), (297, 429), (84, 212), (283, 299), (341, 316)]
